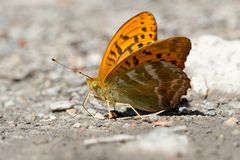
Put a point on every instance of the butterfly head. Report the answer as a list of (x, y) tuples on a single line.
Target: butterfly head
[(95, 88)]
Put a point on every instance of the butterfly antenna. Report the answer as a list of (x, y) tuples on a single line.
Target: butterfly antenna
[(56, 61)]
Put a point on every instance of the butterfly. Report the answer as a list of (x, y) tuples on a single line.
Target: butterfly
[(139, 70)]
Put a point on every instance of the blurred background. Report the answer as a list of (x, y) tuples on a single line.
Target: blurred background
[(78, 31)]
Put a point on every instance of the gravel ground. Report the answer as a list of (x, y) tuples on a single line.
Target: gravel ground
[(39, 101)]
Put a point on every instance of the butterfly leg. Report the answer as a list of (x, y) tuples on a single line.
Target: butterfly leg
[(109, 113), (112, 114), (135, 111), (109, 109), (84, 104), (159, 112), (114, 106)]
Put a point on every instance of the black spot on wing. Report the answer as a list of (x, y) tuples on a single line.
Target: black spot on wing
[(124, 68), (118, 48), (124, 37), (147, 52), (144, 29), (159, 55), (174, 62), (111, 60), (135, 60), (127, 63), (113, 54), (140, 45), (129, 48), (136, 39)]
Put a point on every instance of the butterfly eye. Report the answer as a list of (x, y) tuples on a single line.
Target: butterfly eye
[(94, 84)]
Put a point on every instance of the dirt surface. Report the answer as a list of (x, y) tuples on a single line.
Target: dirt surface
[(76, 32)]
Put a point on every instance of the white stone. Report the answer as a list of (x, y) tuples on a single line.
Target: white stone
[(214, 64), (76, 125), (60, 105), (9, 103), (160, 140)]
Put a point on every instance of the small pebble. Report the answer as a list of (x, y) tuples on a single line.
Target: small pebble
[(9, 103), (236, 144), (209, 131), (126, 125), (221, 137), (76, 125), (209, 107), (231, 122), (30, 117), (183, 110), (163, 123), (91, 127), (49, 118), (52, 117), (73, 112), (211, 113), (41, 115), (60, 105)]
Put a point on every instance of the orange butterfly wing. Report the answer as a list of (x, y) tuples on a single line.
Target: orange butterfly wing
[(173, 50), (134, 34)]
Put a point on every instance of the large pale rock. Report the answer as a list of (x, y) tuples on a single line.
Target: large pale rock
[(164, 141), (214, 65)]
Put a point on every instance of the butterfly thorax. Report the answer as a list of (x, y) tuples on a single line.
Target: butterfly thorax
[(98, 90)]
